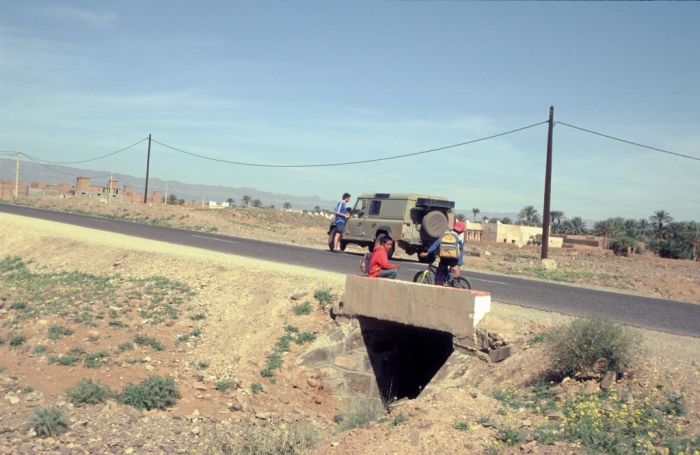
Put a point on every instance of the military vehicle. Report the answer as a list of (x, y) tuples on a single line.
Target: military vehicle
[(414, 221)]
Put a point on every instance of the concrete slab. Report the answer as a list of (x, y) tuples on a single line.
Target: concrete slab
[(456, 311)]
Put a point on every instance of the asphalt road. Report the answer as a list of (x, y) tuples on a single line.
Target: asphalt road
[(659, 314)]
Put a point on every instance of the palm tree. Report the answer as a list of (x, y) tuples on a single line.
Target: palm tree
[(460, 217), (506, 220), (257, 203), (659, 218), (246, 200), (231, 202), (528, 216), (556, 216), (606, 229), (577, 225), (475, 211), (286, 206)]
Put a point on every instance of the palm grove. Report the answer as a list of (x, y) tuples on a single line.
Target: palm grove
[(658, 234)]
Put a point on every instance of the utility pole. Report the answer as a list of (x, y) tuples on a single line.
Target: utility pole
[(148, 165), (166, 192), (111, 177), (17, 176), (547, 188)]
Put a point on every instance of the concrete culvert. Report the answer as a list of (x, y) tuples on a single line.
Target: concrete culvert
[(433, 224)]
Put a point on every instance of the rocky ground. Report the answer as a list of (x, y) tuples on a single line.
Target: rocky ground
[(217, 318)]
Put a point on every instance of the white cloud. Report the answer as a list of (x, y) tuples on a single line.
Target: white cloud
[(84, 17)]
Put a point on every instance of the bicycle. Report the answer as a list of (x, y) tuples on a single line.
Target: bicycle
[(428, 277)]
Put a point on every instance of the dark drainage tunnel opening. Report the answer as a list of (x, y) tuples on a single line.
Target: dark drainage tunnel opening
[(404, 358)]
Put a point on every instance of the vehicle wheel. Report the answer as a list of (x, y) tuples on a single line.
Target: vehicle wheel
[(461, 283), (423, 277), (343, 245), (390, 253), (331, 236)]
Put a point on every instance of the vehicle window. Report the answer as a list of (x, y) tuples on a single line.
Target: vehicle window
[(374, 207), (360, 208)]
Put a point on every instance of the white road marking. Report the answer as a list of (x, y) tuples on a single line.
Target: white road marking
[(212, 238), (486, 281)]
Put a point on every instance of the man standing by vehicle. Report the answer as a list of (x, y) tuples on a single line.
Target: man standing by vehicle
[(341, 216), (450, 247), (379, 266)]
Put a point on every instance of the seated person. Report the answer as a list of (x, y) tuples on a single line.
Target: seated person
[(379, 264)]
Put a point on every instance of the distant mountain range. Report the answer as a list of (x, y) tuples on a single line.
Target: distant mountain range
[(31, 172)]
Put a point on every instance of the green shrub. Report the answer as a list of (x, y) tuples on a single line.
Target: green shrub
[(303, 309), (509, 436), (305, 337), (149, 341), (56, 332), (39, 349), (584, 343), (125, 347), (547, 434), (256, 388), (324, 296), (462, 426), (223, 384), (67, 360), (17, 341), (154, 392), (49, 421), (88, 392), (398, 420), (675, 405), (95, 359), (509, 398), (360, 413)]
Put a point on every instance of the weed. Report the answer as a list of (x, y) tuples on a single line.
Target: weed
[(49, 421), (117, 323), (580, 345), (302, 309), (154, 392), (547, 434), (256, 388), (266, 373), (305, 337), (17, 340), (398, 420), (87, 391), (19, 306), (508, 398), (538, 338), (188, 336), (57, 331), (64, 360), (324, 296), (275, 439), (149, 341), (509, 436), (675, 405), (198, 317), (223, 384), (95, 359), (125, 347), (274, 361), (486, 421), (202, 365), (361, 412), (39, 349), (461, 425)]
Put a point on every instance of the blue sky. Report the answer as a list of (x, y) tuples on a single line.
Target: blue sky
[(317, 82)]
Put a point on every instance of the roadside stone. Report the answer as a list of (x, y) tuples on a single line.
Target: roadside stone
[(608, 380), (34, 395), (591, 387), (549, 264), (500, 354), (298, 295)]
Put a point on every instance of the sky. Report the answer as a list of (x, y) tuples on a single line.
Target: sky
[(318, 82)]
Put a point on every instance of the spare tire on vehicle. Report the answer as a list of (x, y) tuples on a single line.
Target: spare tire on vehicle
[(433, 225)]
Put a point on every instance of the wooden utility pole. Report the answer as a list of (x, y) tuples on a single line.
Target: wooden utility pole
[(148, 165), (166, 192), (111, 177), (547, 188), (17, 176)]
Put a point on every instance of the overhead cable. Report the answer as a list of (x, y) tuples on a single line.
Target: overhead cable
[(90, 159), (690, 157), (348, 163)]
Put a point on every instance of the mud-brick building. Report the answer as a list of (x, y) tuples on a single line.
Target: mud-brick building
[(7, 189), (506, 233)]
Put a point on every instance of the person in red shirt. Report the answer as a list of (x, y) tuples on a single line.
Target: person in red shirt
[(379, 266)]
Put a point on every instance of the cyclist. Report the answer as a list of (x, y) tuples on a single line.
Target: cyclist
[(450, 248)]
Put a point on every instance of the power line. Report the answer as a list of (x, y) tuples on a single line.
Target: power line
[(630, 142), (348, 163), (59, 171), (90, 159)]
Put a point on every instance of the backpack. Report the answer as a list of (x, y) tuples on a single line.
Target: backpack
[(365, 264), (449, 246)]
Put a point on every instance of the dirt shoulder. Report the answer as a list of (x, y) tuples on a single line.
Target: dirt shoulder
[(218, 317)]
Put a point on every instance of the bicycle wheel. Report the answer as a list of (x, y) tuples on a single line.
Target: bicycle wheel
[(460, 283), (423, 277)]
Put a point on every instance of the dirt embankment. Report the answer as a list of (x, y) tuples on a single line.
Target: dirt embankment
[(217, 319)]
